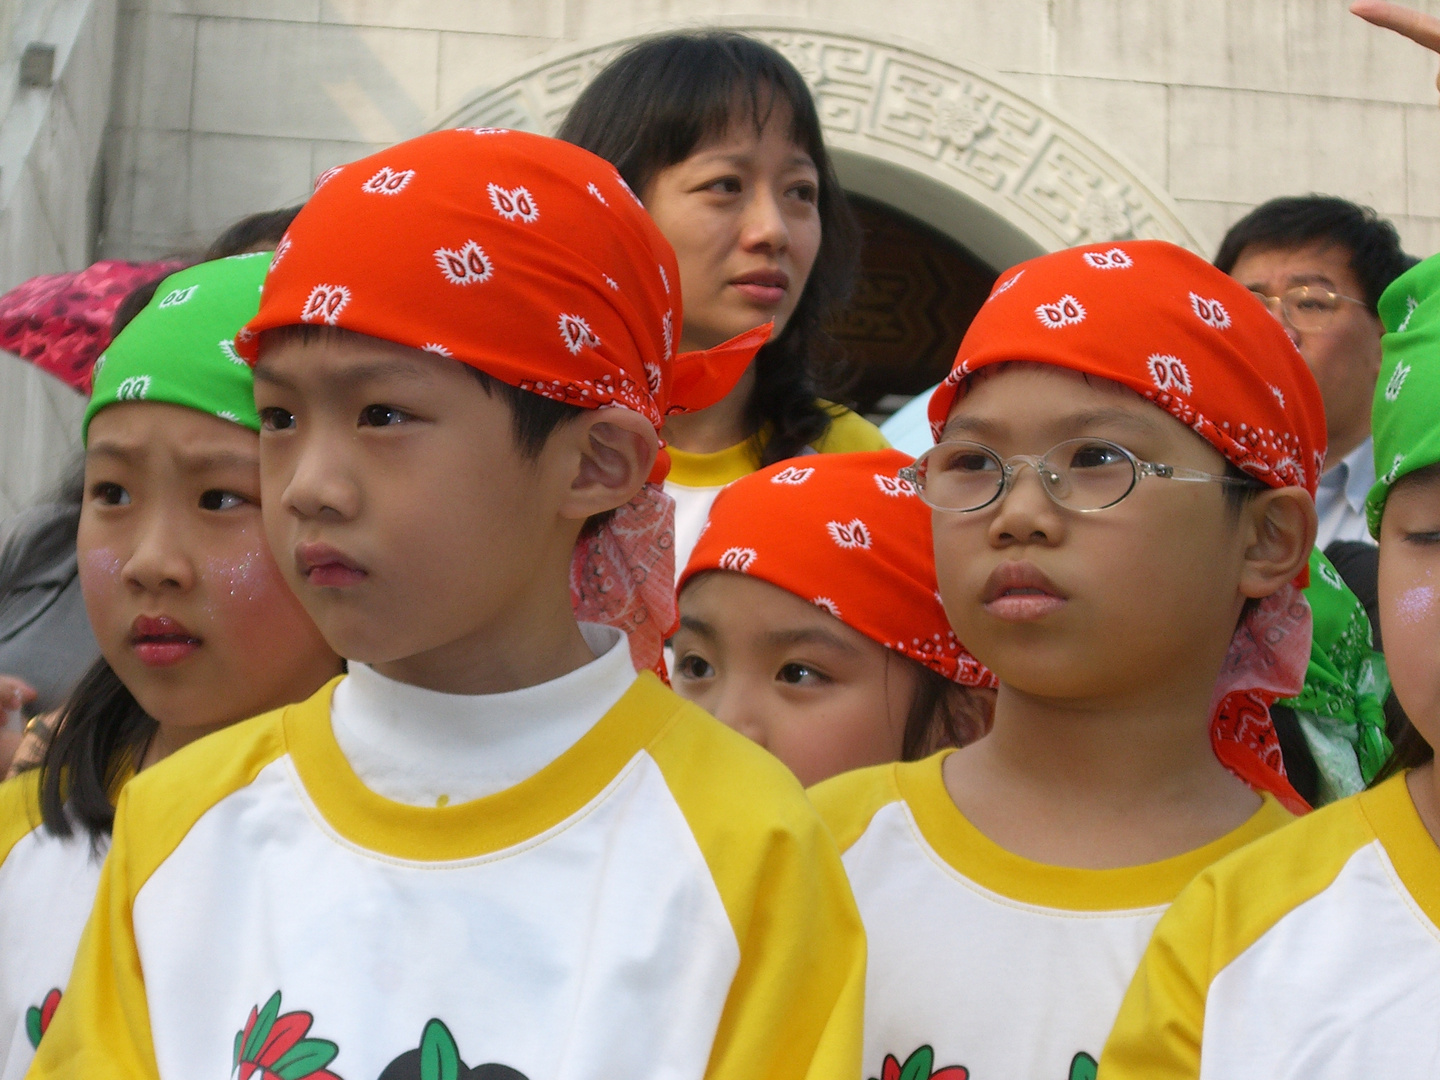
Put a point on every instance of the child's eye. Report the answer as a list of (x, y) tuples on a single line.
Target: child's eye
[(110, 494), (382, 416), (276, 419), (694, 667), (802, 675), (1424, 539), (216, 499), (806, 192)]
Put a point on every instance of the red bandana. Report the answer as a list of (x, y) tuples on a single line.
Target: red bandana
[(1192, 340), (845, 533), (531, 260)]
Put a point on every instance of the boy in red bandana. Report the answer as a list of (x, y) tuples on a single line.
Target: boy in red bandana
[(489, 843), (1122, 511)]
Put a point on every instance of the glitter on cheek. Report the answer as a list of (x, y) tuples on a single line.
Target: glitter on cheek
[(1415, 606), (244, 580), (100, 567)]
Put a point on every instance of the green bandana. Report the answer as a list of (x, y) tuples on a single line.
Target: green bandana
[(1341, 708), (1407, 397), (180, 350)]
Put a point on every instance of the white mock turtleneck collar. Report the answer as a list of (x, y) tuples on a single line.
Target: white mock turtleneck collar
[(425, 748)]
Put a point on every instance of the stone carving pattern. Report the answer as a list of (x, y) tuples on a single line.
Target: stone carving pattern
[(982, 135)]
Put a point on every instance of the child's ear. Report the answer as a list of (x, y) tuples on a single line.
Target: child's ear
[(1280, 524), (616, 450)]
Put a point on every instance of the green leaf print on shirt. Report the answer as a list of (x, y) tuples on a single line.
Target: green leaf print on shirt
[(274, 1047), (37, 1017), (1083, 1067), (438, 1058), (917, 1067)]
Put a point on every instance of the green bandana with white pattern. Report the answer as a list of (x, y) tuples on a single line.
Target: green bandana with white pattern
[(1407, 397), (180, 349)]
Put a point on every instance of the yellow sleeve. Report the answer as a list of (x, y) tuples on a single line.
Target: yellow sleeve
[(847, 802), (1223, 912), (101, 1029), (849, 432), (795, 1010), (19, 810)]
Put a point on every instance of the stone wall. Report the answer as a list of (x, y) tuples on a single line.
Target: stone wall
[(229, 106)]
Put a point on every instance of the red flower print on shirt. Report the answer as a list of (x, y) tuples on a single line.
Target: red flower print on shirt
[(274, 1047), (917, 1067)]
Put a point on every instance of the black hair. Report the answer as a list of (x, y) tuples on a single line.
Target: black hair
[(99, 739), (258, 232), (943, 714), (1298, 221), (649, 109)]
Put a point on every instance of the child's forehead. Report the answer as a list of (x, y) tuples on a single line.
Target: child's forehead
[(1028, 393)]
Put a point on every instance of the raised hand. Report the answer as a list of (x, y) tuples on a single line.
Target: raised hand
[(1420, 28)]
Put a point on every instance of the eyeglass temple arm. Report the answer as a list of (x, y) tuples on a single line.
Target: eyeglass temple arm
[(1194, 476)]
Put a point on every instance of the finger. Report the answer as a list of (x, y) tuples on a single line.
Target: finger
[(1416, 25)]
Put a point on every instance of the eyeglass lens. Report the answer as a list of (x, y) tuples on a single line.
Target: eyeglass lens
[(1081, 474), (1303, 307)]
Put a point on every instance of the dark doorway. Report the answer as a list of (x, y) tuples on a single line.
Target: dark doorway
[(917, 292)]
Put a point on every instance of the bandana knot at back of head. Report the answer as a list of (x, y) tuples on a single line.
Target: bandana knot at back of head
[(846, 533), (1191, 340), (531, 260)]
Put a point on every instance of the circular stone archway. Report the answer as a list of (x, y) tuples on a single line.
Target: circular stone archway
[(947, 145)]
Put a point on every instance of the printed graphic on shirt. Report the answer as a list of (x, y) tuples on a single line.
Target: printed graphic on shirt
[(37, 1017), (274, 1047), (917, 1067), (1083, 1067), (438, 1058)]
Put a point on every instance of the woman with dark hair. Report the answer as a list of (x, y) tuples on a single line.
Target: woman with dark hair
[(718, 135)]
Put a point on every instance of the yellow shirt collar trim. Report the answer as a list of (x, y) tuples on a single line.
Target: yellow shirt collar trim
[(472, 829), (1391, 812), (968, 851), (713, 470)]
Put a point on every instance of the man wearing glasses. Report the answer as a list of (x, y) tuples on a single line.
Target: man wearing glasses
[(1320, 264)]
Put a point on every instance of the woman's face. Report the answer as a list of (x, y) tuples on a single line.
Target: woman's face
[(743, 217), (185, 599)]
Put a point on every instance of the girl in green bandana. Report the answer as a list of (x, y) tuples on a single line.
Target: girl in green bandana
[(1315, 951), (197, 629)]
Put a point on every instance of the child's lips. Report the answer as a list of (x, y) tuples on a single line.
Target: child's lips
[(160, 641), (326, 567), (1020, 592)]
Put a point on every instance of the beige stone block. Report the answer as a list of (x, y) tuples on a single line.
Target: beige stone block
[(1127, 118), (530, 18), (1422, 160), (1009, 35), (157, 168), (314, 82), (473, 63), (326, 155), (235, 175), (1232, 146), (274, 10), (39, 432), (158, 70), (1338, 55), (1237, 43), (1419, 235), (587, 20), (1210, 221)]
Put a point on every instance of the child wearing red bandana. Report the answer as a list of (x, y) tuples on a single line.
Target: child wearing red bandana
[(490, 849), (809, 619), (1122, 511)]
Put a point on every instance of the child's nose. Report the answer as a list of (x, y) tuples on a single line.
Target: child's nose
[(159, 560), (1026, 513)]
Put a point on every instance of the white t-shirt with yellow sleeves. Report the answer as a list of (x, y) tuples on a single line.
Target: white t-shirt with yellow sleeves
[(1314, 954), (47, 888), (695, 480), (659, 900), (980, 959)]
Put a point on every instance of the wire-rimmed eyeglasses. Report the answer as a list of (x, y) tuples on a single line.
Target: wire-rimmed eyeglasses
[(1308, 308), (1083, 475)]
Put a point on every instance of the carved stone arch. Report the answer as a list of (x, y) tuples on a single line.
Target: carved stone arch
[(949, 145)]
